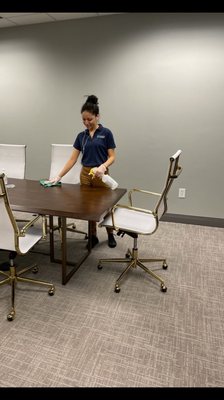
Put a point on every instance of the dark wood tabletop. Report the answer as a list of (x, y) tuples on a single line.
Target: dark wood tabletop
[(71, 201), (65, 201)]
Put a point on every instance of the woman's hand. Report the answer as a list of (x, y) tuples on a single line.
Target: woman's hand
[(54, 180), (100, 171)]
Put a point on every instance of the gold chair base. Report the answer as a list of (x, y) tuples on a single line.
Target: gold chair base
[(133, 261), (71, 227), (13, 277)]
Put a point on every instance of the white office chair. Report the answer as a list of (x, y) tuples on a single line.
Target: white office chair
[(13, 160), (17, 241), (13, 164), (134, 221), (60, 153)]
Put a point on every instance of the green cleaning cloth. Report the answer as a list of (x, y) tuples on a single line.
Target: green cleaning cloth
[(46, 183)]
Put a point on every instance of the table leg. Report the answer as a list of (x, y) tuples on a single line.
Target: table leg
[(63, 250), (63, 261), (51, 223)]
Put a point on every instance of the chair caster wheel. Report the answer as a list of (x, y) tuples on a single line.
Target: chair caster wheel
[(86, 237), (51, 291), (35, 270), (165, 265), (11, 316), (99, 266), (127, 255), (163, 287), (117, 289)]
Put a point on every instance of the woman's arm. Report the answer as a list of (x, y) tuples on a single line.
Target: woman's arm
[(111, 158), (68, 165), (103, 167)]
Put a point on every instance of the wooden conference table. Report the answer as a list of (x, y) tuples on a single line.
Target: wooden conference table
[(68, 201)]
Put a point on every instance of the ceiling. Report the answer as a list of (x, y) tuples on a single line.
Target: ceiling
[(8, 20)]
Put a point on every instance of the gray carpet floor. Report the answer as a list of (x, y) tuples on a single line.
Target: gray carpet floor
[(86, 335)]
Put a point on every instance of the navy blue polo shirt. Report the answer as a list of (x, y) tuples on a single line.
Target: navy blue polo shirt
[(94, 150)]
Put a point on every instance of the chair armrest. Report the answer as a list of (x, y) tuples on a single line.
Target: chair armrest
[(44, 227), (32, 222), (140, 191)]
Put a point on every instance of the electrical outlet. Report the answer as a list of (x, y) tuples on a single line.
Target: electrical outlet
[(182, 193)]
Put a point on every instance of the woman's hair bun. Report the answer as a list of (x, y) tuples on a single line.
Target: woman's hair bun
[(92, 99)]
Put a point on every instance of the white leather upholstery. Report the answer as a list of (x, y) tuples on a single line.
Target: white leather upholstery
[(17, 241), (13, 160), (9, 229), (60, 154), (32, 237), (7, 232), (145, 222), (131, 221)]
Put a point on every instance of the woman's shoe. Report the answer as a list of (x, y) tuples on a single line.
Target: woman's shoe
[(111, 241)]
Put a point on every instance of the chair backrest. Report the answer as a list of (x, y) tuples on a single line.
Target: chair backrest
[(13, 160), (8, 227), (60, 153), (174, 171)]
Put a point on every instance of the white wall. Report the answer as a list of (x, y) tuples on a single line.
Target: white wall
[(160, 83)]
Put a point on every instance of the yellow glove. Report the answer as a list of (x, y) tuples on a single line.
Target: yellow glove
[(92, 172), (98, 171)]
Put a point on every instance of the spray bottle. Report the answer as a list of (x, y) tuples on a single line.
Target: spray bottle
[(110, 182)]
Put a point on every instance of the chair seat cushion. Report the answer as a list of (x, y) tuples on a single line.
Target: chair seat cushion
[(132, 221), (33, 235)]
